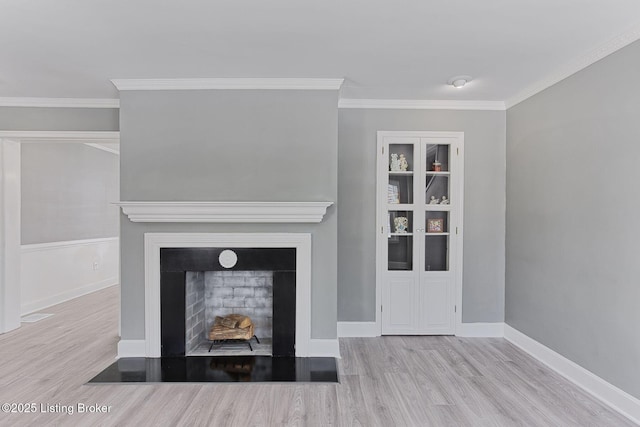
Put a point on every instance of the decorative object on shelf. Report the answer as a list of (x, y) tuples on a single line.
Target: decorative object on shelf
[(444, 201), (434, 201), (436, 166), (401, 224), (395, 163), (435, 226), (393, 194), (404, 165)]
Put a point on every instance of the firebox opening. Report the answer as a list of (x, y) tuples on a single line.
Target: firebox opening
[(221, 298)]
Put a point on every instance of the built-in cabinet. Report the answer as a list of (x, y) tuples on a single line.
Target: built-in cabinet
[(419, 236)]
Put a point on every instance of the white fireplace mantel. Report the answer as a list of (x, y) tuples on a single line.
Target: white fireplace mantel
[(229, 212), (153, 242)]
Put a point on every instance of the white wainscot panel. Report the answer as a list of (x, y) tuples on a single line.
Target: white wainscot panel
[(52, 273)]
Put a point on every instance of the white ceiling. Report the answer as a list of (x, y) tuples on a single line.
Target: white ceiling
[(400, 49)]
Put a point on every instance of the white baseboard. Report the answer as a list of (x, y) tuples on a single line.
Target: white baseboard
[(357, 329), (66, 296), (369, 329), (324, 348), (611, 395), (485, 330), (132, 348), (55, 272)]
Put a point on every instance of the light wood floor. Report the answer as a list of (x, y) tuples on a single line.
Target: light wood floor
[(389, 381)]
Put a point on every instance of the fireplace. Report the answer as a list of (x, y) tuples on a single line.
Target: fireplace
[(280, 262), (196, 285), (220, 298)]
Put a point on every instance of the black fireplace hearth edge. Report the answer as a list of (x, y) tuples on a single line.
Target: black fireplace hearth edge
[(219, 369)]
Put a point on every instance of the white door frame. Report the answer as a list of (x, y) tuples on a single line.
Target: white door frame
[(381, 262), (10, 209), (9, 235)]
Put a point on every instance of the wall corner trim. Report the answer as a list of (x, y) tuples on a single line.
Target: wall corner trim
[(131, 348), (358, 329), (324, 348), (611, 395), (485, 330), (577, 64), (229, 84)]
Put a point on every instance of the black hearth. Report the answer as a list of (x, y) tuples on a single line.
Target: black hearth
[(176, 262), (219, 369)]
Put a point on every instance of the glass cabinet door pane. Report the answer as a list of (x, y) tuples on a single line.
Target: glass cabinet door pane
[(400, 222), (400, 157), (436, 253), (436, 241), (400, 189), (437, 189), (436, 222), (400, 252), (437, 158)]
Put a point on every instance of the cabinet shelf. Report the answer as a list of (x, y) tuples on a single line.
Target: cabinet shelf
[(400, 206), (400, 172), (400, 234), (436, 234), (436, 207)]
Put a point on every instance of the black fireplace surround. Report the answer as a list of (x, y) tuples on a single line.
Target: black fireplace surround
[(175, 262)]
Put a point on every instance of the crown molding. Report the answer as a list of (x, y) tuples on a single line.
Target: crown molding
[(577, 64), (102, 147), (228, 83), (61, 136), (60, 102), (421, 104), (226, 212)]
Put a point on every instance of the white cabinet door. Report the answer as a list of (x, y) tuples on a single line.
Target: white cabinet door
[(436, 299), (401, 296), (419, 195)]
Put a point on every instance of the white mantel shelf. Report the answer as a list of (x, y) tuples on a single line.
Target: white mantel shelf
[(228, 212)]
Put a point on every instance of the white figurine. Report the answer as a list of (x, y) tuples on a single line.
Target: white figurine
[(404, 165), (395, 163), (444, 201), (434, 201), (401, 224)]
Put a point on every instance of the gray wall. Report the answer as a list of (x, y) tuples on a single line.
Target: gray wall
[(484, 206), (50, 181), (67, 191), (573, 235), (54, 119), (230, 145)]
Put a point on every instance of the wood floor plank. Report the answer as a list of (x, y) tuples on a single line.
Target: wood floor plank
[(385, 381), (352, 408), (378, 401)]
